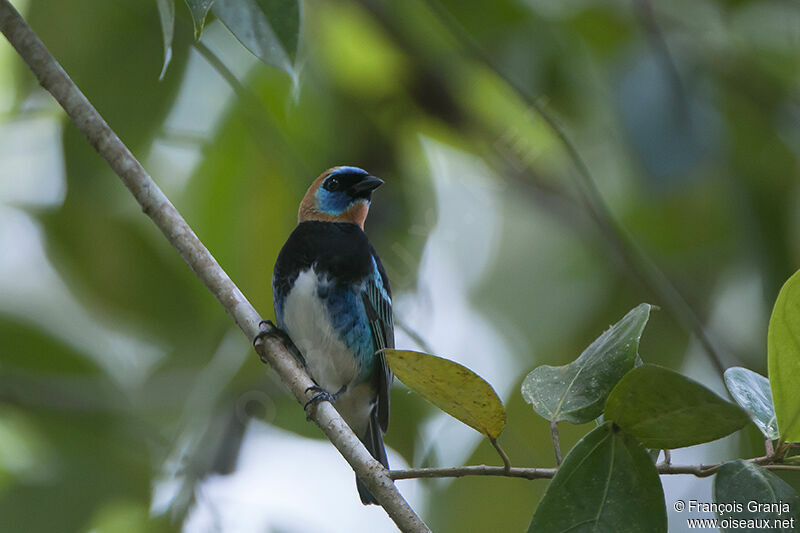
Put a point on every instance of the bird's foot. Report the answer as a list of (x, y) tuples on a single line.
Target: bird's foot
[(321, 395), (268, 329)]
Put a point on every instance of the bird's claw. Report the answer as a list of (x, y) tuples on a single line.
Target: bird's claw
[(321, 396), (265, 329), (268, 329)]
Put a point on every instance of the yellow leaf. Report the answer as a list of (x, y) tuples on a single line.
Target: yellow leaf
[(453, 388)]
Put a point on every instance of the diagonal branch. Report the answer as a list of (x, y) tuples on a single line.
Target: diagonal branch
[(158, 207)]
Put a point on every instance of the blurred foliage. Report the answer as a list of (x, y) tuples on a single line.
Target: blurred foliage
[(685, 112)]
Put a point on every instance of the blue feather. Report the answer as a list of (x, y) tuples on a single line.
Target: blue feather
[(349, 321), (332, 203)]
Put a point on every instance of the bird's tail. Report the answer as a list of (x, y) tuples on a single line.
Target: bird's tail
[(373, 440)]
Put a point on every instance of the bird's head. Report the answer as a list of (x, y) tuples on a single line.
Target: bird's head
[(340, 194)]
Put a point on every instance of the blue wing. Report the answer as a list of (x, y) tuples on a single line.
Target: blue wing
[(377, 299)]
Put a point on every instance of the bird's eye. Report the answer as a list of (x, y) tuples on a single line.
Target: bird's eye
[(332, 184)]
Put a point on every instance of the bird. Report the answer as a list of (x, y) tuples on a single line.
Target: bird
[(333, 300)]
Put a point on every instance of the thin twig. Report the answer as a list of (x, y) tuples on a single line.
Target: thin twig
[(781, 466), (477, 470), (556, 441), (503, 456), (548, 473), (768, 447), (668, 457), (780, 451), (694, 470), (158, 207)]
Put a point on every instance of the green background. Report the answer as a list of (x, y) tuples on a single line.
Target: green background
[(120, 373)]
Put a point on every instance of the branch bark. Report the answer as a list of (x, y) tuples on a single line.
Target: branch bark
[(556, 441), (158, 207), (474, 470), (549, 473)]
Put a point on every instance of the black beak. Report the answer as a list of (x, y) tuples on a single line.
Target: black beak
[(364, 187)]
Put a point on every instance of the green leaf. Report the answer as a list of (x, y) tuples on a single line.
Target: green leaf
[(576, 392), (166, 12), (199, 9), (752, 486), (268, 28), (783, 350), (284, 17), (451, 387), (666, 410), (607, 482), (751, 391)]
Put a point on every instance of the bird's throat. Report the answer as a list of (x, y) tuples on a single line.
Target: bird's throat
[(356, 213)]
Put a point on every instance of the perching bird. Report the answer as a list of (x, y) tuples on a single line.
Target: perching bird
[(332, 298)]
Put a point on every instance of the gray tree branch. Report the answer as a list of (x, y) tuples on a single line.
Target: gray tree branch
[(158, 207)]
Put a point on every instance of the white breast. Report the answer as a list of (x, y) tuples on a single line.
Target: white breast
[(330, 363), (308, 323)]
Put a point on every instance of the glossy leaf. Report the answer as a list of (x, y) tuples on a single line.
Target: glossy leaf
[(751, 391), (577, 392), (783, 349), (607, 482), (451, 387), (753, 486), (666, 410), (284, 17), (166, 12), (199, 10), (268, 28)]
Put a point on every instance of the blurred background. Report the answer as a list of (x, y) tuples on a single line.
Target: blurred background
[(130, 402)]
